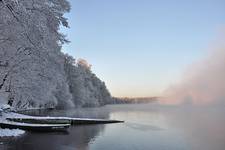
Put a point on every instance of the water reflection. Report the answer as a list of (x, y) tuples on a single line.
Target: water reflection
[(203, 128), (142, 127), (76, 138)]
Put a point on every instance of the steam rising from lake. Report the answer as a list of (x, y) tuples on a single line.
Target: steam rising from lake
[(203, 82)]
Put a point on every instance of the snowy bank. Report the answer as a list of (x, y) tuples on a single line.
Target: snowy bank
[(10, 133)]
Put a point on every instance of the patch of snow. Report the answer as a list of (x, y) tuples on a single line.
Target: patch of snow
[(5, 107), (11, 133)]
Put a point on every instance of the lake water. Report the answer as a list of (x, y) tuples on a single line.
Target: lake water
[(146, 127)]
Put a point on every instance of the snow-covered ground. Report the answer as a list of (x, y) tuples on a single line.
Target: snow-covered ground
[(10, 132)]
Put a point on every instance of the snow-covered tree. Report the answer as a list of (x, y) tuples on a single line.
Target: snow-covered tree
[(31, 63), (86, 88), (34, 73)]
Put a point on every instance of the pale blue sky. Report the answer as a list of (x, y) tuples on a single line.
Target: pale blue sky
[(140, 47)]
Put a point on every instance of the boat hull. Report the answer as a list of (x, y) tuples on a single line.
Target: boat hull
[(40, 120), (36, 127)]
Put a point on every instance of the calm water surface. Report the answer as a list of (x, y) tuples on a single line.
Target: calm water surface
[(147, 127)]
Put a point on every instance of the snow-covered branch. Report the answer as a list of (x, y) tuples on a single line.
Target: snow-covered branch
[(33, 70)]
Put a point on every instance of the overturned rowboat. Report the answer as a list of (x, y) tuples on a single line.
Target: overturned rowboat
[(62, 120), (34, 123), (34, 127), (83, 121), (41, 120)]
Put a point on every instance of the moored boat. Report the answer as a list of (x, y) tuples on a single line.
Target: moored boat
[(41, 120), (34, 127), (83, 121), (62, 120)]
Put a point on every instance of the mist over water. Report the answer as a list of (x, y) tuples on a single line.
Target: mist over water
[(146, 127), (203, 82)]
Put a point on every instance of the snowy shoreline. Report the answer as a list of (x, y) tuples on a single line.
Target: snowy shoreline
[(11, 132)]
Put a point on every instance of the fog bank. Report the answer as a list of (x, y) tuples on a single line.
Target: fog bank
[(203, 82)]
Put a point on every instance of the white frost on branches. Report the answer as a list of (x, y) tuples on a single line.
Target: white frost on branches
[(34, 73), (87, 90)]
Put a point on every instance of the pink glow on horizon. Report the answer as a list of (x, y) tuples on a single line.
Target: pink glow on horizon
[(203, 82)]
